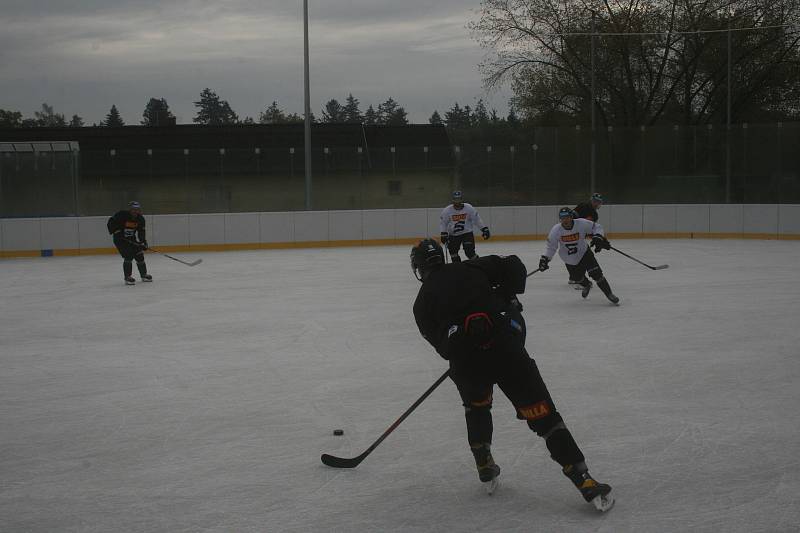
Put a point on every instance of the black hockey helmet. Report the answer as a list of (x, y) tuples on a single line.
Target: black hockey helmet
[(597, 197), (565, 212), (426, 256)]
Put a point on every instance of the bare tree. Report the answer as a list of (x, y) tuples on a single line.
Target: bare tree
[(663, 60)]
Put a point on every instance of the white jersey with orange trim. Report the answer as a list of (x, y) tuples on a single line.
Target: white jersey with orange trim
[(459, 221), (571, 243)]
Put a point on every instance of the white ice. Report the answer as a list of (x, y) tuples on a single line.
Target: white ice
[(202, 401)]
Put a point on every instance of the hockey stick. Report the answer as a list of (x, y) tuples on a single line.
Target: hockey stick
[(534, 272), (341, 462), (193, 263), (659, 267)]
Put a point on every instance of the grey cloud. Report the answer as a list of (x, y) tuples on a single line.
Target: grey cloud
[(82, 56)]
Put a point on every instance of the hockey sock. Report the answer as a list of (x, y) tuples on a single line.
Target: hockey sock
[(142, 267), (604, 286), (127, 268), (479, 424), (562, 446)]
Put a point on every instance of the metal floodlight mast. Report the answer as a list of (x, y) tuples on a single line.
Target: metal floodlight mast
[(307, 99)]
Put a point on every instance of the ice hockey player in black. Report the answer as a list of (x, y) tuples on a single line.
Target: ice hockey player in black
[(588, 210), (127, 228), (470, 314)]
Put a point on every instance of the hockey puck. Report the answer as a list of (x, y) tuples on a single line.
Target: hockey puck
[(338, 432)]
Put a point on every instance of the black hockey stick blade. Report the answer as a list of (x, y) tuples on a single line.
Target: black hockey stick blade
[(341, 462)]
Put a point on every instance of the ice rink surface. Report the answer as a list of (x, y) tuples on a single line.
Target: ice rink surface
[(203, 401)]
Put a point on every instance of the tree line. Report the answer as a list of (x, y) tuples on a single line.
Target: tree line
[(663, 61), (214, 110)]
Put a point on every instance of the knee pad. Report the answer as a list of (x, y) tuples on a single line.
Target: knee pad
[(541, 417), (127, 261), (483, 404)]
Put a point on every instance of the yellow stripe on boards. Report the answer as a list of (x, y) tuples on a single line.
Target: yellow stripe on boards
[(388, 242)]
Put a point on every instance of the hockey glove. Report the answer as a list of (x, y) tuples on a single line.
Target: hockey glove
[(143, 245), (443, 237), (544, 263), (600, 243), (486, 234)]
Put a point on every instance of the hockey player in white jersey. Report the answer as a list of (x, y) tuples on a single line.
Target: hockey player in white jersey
[(569, 238), (457, 222)]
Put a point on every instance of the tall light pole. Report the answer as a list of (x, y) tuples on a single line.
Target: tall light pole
[(728, 121), (307, 150), (593, 155)]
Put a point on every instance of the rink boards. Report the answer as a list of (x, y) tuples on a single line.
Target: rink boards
[(28, 237)]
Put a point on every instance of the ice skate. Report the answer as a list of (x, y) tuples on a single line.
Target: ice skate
[(147, 277), (488, 471), (490, 478), (586, 288), (606, 288), (129, 280), (575, 285), (593, 492)]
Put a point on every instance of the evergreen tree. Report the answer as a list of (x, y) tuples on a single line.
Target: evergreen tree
[(512, 118), (157, 113), (113, 118), (480, 117), (76, 122), (10, 119), (352, 114), (390, 113), (272, 115), (436, 118), (458, 118), (212, 110), (370, 116), (333, 112)]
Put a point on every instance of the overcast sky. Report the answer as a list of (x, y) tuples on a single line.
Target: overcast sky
[(82, 56)]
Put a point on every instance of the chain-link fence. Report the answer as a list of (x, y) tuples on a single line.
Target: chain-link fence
[(668, 164)]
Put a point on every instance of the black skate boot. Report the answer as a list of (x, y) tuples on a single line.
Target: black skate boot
[(587, 286), (606, 288), (488, 471), (129, 280), (593, 492), (147, 277)]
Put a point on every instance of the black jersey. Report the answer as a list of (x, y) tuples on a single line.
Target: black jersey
[(127, 226), (585, 210), (455, 291)]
